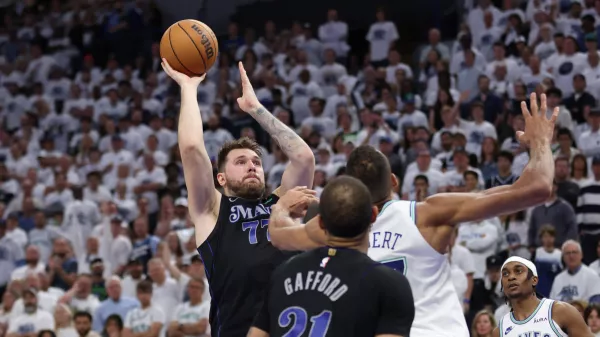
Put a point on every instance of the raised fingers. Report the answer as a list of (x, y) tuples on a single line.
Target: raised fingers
[(525, 111), (533, 105), (543, 105), (554, 115)]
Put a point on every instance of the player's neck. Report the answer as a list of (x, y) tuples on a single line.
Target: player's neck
[(379, 204), (523, 308), (361, 245)]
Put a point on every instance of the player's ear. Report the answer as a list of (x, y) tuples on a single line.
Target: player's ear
[(374, 213), (395, 182), (221, 178), (534, 280)]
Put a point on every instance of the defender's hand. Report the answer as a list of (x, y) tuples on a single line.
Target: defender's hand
[(297, 200), (181, 78), (248, 101), (538, 128)]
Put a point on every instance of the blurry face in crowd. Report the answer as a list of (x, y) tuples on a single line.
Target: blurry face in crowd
[(483, 325), (32, 255), (113, 289), (461, 161), (471, 182), (503, 164), (61, 248), (30, 302), (421, 184), (62, 315), (8, 299), (84, 286), (572, 256), (83, 325), (144, 297), (243, 175), (593, 321), (547, 240), (195, 290), (561, 169), (136, 270), (156, 271)]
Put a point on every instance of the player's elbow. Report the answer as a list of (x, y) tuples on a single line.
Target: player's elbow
[(540, 192), (304, 156)]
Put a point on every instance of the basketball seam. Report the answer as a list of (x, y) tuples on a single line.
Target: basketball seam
[(194, 43), (177, 57)]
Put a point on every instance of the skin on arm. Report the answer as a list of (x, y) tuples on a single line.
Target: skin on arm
[(256, 332), (438, 213), (286, 233), (301, 169), (570, 320), (202, 196)]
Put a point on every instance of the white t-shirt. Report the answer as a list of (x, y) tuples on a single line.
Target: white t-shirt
[(88, 304), (28, 323), (582, 285), (168, 295), (185, 313), (380, 35), (140, 320)]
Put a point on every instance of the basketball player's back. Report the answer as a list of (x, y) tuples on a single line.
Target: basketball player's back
[(395, 240), (336, 292)]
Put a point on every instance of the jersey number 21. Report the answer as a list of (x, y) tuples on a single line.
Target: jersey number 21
[(296, 319)]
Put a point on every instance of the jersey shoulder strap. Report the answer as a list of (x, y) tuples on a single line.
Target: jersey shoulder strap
[(404, 207)]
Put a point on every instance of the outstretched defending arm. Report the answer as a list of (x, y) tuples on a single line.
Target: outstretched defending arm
[(203, 197), (301, 170), (532, 188)]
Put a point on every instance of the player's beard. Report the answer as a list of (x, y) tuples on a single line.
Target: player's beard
[(246, 190)]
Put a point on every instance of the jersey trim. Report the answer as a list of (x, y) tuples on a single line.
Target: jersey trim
[(386, 205), (500, 325), (413, 211), (514, 320), (551, 321)]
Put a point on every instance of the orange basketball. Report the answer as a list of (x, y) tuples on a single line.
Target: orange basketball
[(190, 47)]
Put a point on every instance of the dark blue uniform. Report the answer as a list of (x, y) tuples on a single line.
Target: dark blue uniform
[(239, 259)]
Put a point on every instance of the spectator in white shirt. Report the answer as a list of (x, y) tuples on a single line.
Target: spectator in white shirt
[(149, 318), (13, 231), (324, 125), (80, 297), (135, 274), (382, 35), (480, 239), (191, 318), (334, 33), (300, 94), (168, 293), (478, 129), (33, 265), (589, 141), (149, 180), (32, 319), (577, 281), (94, 191)]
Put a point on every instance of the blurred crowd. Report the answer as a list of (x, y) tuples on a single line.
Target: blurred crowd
[(95, 238)]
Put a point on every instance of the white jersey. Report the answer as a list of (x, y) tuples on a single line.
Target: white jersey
[(396, 242), (540, 323)]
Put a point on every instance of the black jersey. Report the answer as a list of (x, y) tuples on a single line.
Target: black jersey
[(239, 260), (336, 292)]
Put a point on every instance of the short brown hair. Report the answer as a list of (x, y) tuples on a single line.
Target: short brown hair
[(145, 286), (242, 143), (547, 229)]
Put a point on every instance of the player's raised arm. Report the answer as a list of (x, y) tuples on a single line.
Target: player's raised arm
[(569, 319), (532, 188), (301, 170), (203, 198)]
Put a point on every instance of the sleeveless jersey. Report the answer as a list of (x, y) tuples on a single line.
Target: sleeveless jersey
[(396, 242), (239, 259), (538, 324)]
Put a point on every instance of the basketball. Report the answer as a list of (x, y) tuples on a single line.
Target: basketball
[(190, 47)]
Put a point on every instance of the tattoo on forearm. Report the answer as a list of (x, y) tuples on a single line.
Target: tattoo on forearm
[(289, 141)]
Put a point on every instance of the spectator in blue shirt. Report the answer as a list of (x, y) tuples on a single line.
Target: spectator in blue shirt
[(114, 304), (62, 267)]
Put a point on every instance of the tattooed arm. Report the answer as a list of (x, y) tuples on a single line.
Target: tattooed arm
[(301, 169)]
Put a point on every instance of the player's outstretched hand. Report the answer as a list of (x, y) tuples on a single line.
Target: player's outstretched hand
[(248, 101), (181, 78), (297, 200), (538, 127)]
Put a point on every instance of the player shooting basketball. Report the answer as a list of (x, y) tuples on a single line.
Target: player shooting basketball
[(231, 228), (412, 237)]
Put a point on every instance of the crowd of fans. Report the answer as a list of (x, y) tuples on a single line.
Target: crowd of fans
[(95, 238)]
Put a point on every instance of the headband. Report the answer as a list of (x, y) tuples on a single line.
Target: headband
[(522, 261)]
